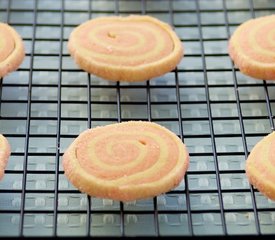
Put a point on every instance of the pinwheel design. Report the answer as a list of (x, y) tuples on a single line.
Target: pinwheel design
[(132, 48), (126, 161), (260, 166), (252, 47)]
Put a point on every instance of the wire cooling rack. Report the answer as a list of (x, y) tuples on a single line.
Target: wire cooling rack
[(218, 112)]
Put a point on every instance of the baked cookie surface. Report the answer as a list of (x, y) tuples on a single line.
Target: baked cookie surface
[(126, 161), (252, 47), (132, 48), (5, 152), (12, 50), (260, 166)]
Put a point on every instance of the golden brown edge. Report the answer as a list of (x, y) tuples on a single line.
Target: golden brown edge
[(131, 74), (105, 189)]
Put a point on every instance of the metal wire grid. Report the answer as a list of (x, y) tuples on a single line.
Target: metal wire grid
[(219, 113)]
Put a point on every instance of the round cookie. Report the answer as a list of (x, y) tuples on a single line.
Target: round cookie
[(5, 152), (252, 47), (12, 50), (260, 166), (132, 48), (126, 161)]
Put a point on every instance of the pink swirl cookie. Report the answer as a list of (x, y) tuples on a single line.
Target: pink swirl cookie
[(12, 50), (5, 152), (126, 161), (260, 166), (133, 48), (252, 47)]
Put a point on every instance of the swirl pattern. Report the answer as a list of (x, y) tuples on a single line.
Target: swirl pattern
[(252, 47), (260, 166), (11, 49), (126, 161), (4, 154), (133, 48)]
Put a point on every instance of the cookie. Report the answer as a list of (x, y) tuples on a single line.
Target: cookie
[(252, 47), (5, 152), (260, 166), (132, 48), (12, 50), (126, 161)]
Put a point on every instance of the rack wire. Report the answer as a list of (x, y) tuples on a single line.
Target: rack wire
[(218, 112)]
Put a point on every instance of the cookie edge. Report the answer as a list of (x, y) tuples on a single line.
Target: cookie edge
[(4, 155), (14, 60)]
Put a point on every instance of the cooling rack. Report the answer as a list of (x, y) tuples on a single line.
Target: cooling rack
[(218, 112)]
